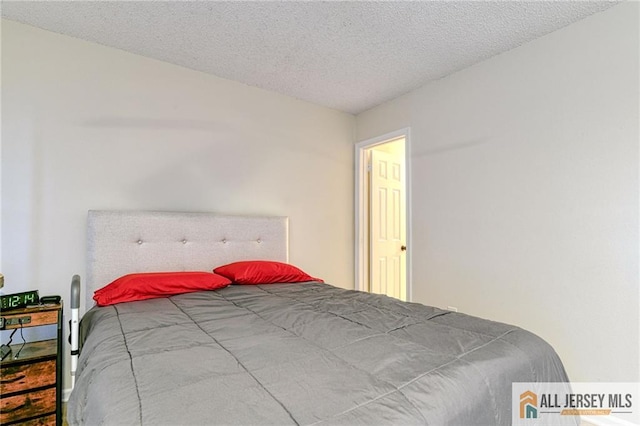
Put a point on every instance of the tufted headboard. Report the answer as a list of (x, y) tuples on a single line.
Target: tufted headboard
[(123, 242)]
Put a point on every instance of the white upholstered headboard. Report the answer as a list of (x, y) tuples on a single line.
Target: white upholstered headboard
[(124, 242)]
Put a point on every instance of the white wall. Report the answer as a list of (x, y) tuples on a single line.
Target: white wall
[(90, 127), (525, 190)]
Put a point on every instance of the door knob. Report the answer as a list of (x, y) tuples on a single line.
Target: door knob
[(403, 248)]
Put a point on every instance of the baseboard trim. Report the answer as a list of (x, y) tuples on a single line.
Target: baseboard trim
[(65, 394)]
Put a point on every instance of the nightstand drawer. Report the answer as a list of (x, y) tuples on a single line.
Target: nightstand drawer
[(27, 376), (31, 376), (28, 405), (35, 318)]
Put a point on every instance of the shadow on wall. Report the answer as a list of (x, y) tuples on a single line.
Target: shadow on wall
[(197, 164), (450, 147)]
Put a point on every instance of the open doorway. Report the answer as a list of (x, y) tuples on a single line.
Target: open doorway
[(382, 215)]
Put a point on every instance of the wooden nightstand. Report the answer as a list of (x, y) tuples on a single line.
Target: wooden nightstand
[(31, 385)]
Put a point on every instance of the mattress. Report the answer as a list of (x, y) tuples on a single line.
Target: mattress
[(304, 353)]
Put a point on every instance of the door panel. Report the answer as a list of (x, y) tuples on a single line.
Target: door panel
[(387, 225)]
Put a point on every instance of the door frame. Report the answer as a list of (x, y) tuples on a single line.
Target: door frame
[(361, 211)]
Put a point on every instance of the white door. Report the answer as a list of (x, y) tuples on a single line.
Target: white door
[(387, 262)]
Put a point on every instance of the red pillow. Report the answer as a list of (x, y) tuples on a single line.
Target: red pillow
[(263, 272), (132, 287)]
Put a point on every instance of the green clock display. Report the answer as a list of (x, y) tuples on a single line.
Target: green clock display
[(19, 300)]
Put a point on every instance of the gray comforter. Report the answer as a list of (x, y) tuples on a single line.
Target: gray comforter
[(299, 354)]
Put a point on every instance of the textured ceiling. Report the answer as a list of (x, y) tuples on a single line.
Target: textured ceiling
[(350, 55)]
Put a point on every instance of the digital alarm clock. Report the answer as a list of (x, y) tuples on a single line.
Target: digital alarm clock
[(19, 300)]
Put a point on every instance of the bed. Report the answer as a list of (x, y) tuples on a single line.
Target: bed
[(301, 353)]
